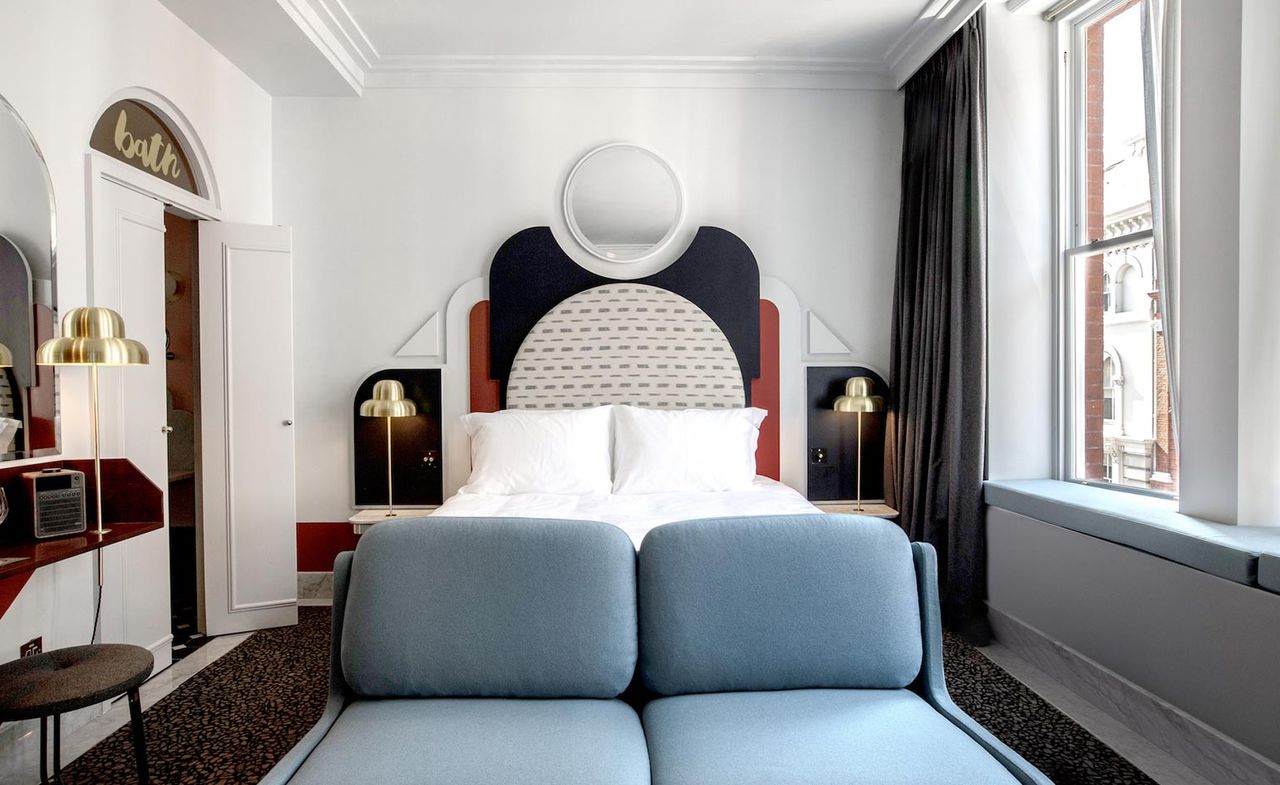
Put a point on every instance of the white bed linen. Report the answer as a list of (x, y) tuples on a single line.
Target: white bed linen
[(635, 514)]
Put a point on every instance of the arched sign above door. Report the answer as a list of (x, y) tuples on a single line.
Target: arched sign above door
[(131, 132)]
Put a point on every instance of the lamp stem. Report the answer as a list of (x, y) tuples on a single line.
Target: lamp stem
[(391, 511), (97, 449), (859, 461)]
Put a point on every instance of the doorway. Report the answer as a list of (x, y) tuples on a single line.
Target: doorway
[(182, 387)]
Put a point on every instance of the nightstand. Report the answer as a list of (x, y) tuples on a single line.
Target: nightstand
[(361, 521), (873, 509)]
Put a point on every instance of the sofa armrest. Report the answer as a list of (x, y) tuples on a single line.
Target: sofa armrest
[(932, 684), (339, 693)]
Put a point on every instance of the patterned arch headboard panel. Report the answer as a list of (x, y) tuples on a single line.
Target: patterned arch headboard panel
[(531, 275), (625, 343)]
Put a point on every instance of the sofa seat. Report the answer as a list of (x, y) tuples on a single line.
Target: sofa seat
[(481, 741), (812, 737)]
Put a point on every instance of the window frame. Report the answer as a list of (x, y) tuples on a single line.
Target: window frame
[(1071, 242)]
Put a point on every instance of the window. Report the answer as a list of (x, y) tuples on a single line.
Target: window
[(1117, 423), (1108, 387)]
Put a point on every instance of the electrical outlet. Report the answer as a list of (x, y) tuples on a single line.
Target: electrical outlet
[(818, 456), (431, 459), (31, 647)]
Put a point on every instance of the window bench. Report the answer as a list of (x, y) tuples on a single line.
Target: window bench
[(1245, 554)]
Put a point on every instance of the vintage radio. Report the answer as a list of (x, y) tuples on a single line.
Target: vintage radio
[(57, 501)]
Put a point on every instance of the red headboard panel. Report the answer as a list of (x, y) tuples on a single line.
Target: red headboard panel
[(485, 395), (765, 395)]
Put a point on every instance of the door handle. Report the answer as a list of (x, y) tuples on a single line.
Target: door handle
[(288, 422), (166, 429)]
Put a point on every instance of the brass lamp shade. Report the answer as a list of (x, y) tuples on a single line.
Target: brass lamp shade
[(388, 401), (6, 357), (92, 336), (858, 398)]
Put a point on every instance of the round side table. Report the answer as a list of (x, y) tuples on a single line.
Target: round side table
[(55, 682)]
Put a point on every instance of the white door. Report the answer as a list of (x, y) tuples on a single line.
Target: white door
[(128, 276), (248, 526)]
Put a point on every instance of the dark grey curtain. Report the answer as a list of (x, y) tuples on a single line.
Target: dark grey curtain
[(935, 444)]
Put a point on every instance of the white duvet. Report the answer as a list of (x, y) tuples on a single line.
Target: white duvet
[(635, 514)]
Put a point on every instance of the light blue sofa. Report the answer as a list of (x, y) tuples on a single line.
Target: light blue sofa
[(800, 650)]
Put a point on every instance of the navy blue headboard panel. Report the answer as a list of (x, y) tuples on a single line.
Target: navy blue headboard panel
[(531, 274)]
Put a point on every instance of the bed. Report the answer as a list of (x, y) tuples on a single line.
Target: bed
[(695, 336), (635, 514)]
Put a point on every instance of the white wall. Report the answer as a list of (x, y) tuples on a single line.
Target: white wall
[(60, 63), (1259, 482), (398, 197), (1020, 243)]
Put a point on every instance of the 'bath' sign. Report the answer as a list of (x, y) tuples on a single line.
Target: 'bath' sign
[(131, 132)]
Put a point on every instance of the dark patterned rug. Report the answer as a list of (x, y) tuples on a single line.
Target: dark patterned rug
[(231, 722)]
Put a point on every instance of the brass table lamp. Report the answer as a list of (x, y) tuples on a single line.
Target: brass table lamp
[(858, 398), (93, 337), (388, 401)]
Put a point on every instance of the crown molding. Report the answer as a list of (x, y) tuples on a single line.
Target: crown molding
[(334, 31), (339, 19), (392, 72), (314, 19), (937, 22)]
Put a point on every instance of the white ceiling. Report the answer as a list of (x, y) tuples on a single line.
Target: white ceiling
[(341, 47), (848, 29)]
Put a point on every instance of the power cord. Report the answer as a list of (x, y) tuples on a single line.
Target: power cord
[(97, 610)]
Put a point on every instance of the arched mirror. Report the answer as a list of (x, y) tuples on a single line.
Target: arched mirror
[(28, 308), (623, 202)]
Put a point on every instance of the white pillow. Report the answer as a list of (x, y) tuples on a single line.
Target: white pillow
[(663, 450), (562, 451)]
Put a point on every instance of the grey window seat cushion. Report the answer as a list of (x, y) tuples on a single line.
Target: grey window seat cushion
[(456, 607), (1141, 522), (481, 741), (778, 602), (812, 737), (1269, 571)]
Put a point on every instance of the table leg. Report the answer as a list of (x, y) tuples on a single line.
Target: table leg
[(139, 740), (57, 749), (44, 751)]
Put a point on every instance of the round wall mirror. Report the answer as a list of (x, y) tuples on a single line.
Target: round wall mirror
[(623, 202)]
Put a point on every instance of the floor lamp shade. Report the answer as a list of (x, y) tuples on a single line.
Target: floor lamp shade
[(92, 336), (388, 401), (858, 399)]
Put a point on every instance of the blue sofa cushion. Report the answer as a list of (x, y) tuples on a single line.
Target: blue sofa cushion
[(780, 602), (481, 741), (1144, 523), (812, 737), (1269, 571), (491, 607)]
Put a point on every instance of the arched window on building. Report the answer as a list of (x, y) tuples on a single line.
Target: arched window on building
[(1130, 289), (1109, 404)]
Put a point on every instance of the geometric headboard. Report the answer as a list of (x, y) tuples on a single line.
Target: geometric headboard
[(531, 276)]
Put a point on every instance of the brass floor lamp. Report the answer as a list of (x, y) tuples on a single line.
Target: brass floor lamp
[(94, 337), (858, 398), (388, 401)]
